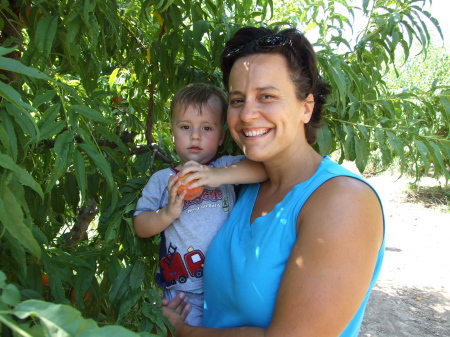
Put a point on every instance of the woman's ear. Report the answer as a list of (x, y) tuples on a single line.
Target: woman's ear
[(308, 108)]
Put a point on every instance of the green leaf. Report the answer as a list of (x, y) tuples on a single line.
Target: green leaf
[(18, 253), (364, 131), (57, 319), (385, 152), (17, 67), (324, 139), (396, 143), (45, 34), (68, 260), (63, 320), (14, 97), (82, 283), (112, 78), (100, 162), (12, 218), (200, 29), (10, 295), (111, 136), (8, 136), (137, 275), (166, 5), (48, 131), (110, 330), (424, 154), (23, 118), (22, 176), (90, 113), (128, 304), (49, 115), (63, 151), (44, 98), (111, 232), (439, 162), (362, 153), (2, 279), (80, 173), (349, 144), (120, 285), (6, 51)]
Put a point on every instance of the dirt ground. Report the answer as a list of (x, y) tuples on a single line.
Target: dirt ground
[(412, 296)]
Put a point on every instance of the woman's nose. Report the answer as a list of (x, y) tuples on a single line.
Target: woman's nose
[(249, 111)]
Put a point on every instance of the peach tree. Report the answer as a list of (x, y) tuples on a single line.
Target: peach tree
[(84, 93)]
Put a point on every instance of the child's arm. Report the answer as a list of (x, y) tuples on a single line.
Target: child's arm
[(243, 172), (150, 223)]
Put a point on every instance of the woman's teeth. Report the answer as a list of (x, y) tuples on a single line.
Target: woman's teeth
[(255, 133)]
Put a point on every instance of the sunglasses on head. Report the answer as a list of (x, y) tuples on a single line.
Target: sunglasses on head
[(268, 41)]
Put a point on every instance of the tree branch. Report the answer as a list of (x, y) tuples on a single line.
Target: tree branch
[(86, 214)]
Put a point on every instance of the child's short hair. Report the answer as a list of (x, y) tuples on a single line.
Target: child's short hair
[(199, 94)]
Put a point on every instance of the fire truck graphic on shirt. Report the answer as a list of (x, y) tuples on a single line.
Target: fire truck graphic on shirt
[(176, 269)]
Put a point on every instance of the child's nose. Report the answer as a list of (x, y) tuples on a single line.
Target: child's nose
[(195, 134)]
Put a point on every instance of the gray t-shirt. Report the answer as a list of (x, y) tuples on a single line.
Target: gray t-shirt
[(185, 242)]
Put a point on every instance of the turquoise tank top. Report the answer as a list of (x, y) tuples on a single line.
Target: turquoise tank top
[(245, 263)]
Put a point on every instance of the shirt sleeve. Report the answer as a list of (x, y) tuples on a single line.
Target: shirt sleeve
[(155, 193)]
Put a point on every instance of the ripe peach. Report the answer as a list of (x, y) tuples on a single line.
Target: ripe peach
[(117, 99), (73, 296), (44, 279), (191, 193), (27, 13)]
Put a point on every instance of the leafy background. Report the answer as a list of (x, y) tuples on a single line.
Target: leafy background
[(85, 88)]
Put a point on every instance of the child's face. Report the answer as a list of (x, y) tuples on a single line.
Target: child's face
[(196, 136)]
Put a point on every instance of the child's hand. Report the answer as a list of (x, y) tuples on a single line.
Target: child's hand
[(175, 204), (205, 175)]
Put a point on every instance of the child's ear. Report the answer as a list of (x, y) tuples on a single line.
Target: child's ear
[(171, 132)]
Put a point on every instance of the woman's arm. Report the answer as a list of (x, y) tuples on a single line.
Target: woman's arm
[(243, 172), (340, 231)]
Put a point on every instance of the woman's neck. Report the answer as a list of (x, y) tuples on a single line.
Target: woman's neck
[(298, 167)]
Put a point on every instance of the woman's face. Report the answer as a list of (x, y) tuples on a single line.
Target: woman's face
[(264, 115)]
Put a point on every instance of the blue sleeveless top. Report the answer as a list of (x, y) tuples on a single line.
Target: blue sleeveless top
[(245, 263)]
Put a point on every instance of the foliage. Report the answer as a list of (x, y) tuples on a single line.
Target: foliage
[(85, 87), (55, 319)]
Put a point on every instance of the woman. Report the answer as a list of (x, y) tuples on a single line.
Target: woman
[(300, 252)]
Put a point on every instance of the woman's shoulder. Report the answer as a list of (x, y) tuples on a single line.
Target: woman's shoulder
[(345, 190), (343, 204)]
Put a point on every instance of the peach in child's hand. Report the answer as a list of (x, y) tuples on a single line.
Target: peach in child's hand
[(191, 193)]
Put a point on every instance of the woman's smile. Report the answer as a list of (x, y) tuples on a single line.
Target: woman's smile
[(255, 132)]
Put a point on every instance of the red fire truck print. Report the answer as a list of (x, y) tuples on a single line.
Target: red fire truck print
[(175, 271)]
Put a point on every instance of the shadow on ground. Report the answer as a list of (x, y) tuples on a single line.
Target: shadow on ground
[(406, 312)]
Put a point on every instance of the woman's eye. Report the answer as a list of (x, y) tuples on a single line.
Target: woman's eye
[(236, 101), (266, 97)]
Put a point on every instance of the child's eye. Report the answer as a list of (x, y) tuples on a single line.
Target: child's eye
[(184, 127), (207, 128)]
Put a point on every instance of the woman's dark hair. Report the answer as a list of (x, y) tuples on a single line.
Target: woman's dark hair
[(302, 64)]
